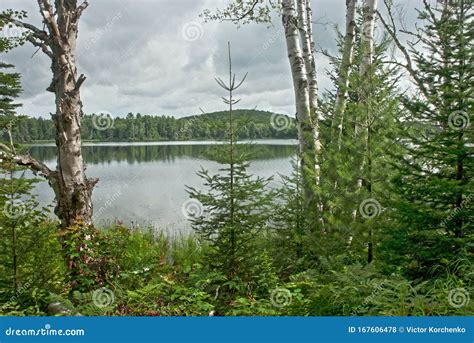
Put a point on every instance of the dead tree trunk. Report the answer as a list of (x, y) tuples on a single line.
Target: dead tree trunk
[(73, 190)]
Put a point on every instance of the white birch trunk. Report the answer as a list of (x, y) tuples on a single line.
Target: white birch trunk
[(367, 35), (306, 36), (306, 132), (344, 71), (367, 41)]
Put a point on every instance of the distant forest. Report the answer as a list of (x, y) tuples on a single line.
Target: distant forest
[(252, 124)]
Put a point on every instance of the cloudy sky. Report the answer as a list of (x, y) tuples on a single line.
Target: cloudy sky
[(158, 57)]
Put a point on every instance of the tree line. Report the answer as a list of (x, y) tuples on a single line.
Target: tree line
[(141, 128)]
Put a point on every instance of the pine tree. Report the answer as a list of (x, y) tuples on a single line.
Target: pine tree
[(434, 179), (289, 223), (233, 210), (24, 237), (11, 188), (357, 169)]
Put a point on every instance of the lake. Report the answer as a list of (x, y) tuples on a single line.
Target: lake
[(143, 184)]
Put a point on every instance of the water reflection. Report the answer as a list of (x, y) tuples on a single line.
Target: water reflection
[(145, 184), (131, 154)]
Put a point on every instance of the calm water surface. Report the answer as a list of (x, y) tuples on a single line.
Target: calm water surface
[(144, 183)]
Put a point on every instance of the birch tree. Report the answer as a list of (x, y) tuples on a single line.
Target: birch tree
[(307, 132), (297, 27), (306, 35), (367, 32), (344, 72), (57, 40), (367, 49)]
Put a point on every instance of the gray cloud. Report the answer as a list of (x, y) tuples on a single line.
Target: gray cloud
[(158, 57)]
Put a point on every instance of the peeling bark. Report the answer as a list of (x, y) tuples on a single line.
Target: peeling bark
[(73, 190)]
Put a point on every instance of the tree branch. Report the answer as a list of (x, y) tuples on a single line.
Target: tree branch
[(40, 34), (43, 46), (391, 29), (48, 15), (34, 165), (81, 9), (79, 82)]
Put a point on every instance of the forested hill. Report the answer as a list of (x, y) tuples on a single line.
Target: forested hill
[(251, 124)]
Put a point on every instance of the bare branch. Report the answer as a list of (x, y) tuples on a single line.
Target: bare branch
[(43, 46), (81, 8), (48, 15), (34, 165), (392, 31), (242, 81), (24, 25), (79, 82)]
